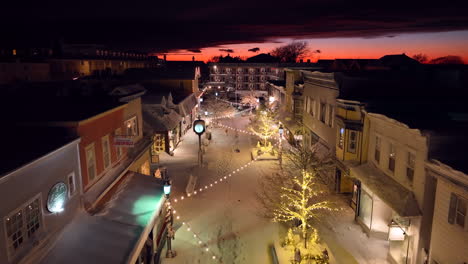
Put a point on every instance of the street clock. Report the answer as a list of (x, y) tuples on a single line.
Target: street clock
[(199, 127)]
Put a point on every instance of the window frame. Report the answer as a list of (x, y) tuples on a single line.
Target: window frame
[(377, 149), (410, 167), (118, 149), (24, 229), (463, 224), (323, 112), (331, 110), (72, 176), (391, 157), (351, 141), (136, 126), (91, 146), (109, 163)]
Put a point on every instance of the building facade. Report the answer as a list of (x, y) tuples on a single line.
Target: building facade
[(39, 199)]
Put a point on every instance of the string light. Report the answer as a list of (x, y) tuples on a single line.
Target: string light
[(195, 235)]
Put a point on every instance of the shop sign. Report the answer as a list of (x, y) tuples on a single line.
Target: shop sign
[(123, 141)]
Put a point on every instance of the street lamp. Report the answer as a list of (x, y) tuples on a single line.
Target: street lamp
[(201, 99), (169, 221), (167, 189)]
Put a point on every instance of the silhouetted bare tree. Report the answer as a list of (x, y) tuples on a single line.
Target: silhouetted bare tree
[(420, 57), (450, 59), (291, 52)]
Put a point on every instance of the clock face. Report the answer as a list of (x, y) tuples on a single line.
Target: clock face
[(57, 197), (199, 128)]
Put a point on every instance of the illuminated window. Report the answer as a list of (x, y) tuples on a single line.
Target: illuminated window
[(352, 141), (410, 162), (106, 156), (91, 162), (132, 126), (391, 157), (71, 184), (377, 149), (21, 226), (341, 138)]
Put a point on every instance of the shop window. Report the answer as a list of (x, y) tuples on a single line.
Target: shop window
[(106, 151), (391, 158), (457, 211), (410, 166), (323, 109), (91, 162), (377, 149), (352, 141), (71, 184), (22, 225), (132, 126), (341, 138)]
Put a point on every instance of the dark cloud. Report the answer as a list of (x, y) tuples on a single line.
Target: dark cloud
[(194, 50), (227, 50), (192, 25), (256, 49)]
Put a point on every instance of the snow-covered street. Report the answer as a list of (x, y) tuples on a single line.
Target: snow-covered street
[(225, 226)]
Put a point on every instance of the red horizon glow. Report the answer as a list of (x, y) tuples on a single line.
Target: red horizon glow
[(433, 45)]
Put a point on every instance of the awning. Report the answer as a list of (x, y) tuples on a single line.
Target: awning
[(400, 199), (119, 229)]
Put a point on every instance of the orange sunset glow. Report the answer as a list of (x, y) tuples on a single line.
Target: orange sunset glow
[(432, 44)]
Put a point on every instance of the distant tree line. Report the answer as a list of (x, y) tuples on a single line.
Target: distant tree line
[(449, 59)]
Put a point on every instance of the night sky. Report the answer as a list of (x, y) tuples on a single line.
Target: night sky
[(339, 29)]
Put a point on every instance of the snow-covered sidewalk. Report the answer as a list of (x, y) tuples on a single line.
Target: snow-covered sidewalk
[(225, 217)]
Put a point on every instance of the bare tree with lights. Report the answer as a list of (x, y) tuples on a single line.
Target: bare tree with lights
[(218, 108), (297, 193), (264, 125), (250, 100)]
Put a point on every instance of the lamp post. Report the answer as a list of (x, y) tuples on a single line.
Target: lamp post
[(169, 221), (280, 154), (199, 128)]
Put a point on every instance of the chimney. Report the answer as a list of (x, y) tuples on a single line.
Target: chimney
[(301, 61), (193, 58), (164, 57), (308, 60)]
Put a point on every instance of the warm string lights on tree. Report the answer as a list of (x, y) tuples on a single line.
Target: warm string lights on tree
[(264, 126)]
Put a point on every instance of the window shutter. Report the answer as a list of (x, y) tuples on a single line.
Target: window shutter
[(452, 208)]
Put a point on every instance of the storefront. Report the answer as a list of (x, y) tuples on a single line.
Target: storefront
[(127, 226), (386, 210)]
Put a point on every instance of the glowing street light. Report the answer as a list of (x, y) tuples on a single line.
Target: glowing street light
[(167, 189), (201, 99)]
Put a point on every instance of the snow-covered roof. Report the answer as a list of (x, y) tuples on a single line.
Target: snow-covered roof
[(186, 106), (160, 118), (390, 191), (117, 231)]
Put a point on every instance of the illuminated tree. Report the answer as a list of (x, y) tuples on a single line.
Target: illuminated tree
[(264, 125), (250, 99), (297, 193), (218, 108)]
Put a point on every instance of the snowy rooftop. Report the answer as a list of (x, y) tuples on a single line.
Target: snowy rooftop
[(114, 233)]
